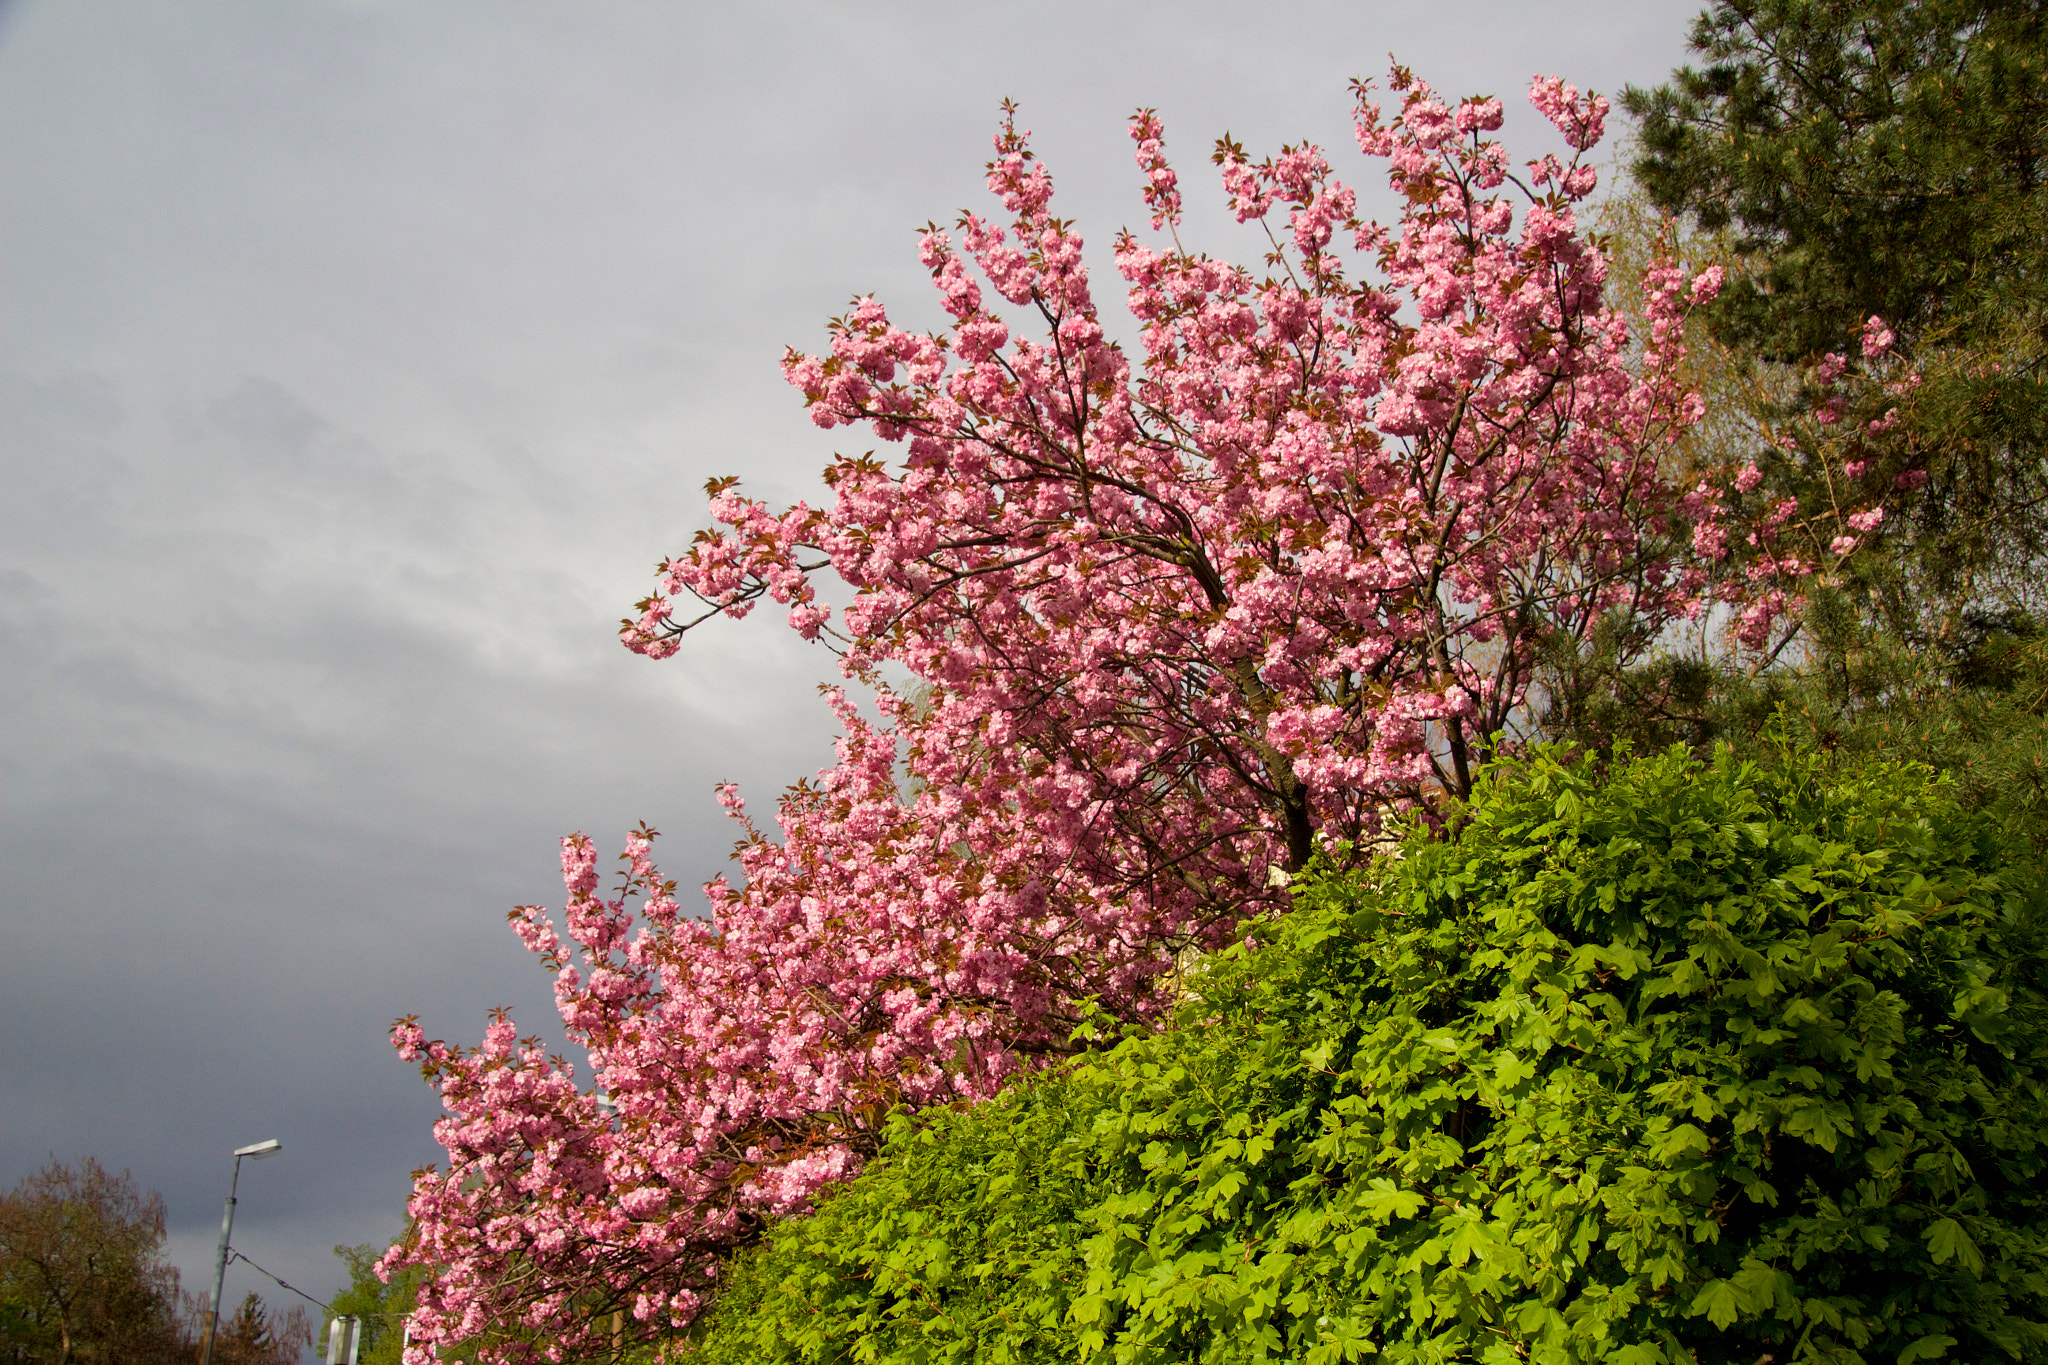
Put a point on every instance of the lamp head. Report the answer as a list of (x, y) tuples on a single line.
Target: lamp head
[(259, 1150)]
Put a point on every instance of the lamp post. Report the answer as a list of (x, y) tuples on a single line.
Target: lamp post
[(255, 1152)]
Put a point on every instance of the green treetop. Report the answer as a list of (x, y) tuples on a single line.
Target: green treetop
[(1877, 157)]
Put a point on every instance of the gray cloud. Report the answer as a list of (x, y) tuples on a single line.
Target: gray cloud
[(357, 362)]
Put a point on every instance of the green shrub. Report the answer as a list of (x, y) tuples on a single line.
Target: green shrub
[(1665, 1061)]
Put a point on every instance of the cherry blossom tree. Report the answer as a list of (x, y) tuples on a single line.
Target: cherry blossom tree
[(1173, 624)]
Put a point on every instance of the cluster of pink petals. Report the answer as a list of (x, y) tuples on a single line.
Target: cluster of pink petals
[(1172, 623), (1800, 547)]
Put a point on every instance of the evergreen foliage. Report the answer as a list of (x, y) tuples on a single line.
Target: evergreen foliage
[(1882, 156), (1977, 712), (253, 1337), (1889, 158), (1662, 1060)]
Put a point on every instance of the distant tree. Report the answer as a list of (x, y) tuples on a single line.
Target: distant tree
[(82, 1271), (253, 1337), (1844, 163), (381, 1304)]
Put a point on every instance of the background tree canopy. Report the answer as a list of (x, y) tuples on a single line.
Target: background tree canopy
[(251, 1336), (1886, 159), (83, 1277), (82, 1271), (1874, 157), (381, 1304)]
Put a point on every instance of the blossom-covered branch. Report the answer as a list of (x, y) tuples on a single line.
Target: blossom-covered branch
[(1175, 623)]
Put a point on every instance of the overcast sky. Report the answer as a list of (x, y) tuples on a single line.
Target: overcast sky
[(357, 363)]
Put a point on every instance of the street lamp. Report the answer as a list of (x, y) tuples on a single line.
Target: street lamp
[(255, 1151)]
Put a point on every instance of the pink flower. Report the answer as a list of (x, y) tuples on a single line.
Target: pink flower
[(1580, 181), (1162, 186), (1582, 121), (1482, 115)]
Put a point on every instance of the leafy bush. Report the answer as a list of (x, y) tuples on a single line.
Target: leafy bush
[(1665, 1061)]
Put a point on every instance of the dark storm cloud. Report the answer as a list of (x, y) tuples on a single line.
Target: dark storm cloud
[(357, 362)]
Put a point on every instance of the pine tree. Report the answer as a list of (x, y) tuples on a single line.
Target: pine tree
[(1877, 157), (1888, 159), (251, 1337)]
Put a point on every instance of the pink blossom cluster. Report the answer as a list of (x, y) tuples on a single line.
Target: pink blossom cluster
[(1796, 545), (1172, 623)]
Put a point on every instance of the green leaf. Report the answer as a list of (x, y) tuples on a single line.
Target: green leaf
[(1470, 1241), (1549, 1200), (1926, 1348), (1719, 1301), (1381, 1200), (1676, 1142), (1947, 1241)]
